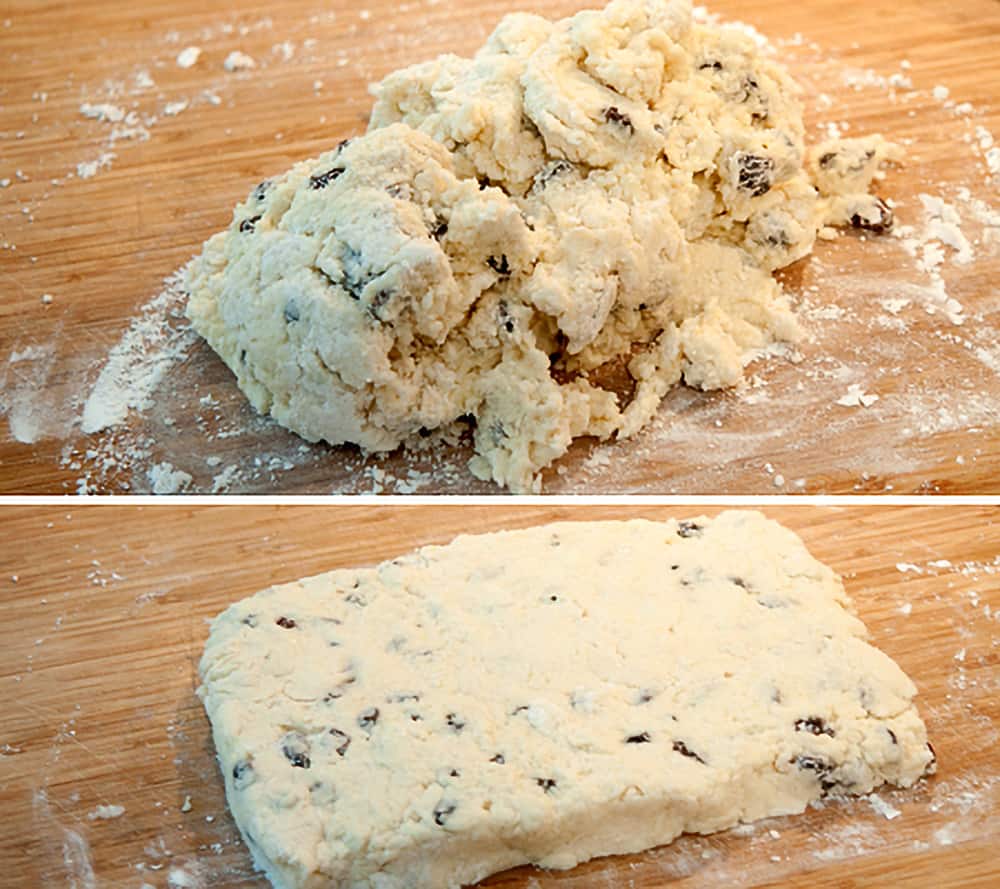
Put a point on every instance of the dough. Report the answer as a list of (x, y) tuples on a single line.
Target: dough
[(546, 696), (614, 188)]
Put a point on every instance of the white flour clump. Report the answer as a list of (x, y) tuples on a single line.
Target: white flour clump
[(165, 479), (609, 192), (188, 56), (238, 61), (104, 813)]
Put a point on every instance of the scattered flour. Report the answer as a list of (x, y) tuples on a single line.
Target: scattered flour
[(894, 306), (76, 861), (104, 111), (941, 228), (883, 808), (23, 381), (138, 361), (87, 169)]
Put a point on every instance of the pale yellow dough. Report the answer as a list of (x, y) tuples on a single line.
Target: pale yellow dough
[(617, 186), (546, 696)]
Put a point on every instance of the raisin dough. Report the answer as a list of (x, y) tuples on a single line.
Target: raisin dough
[(615, 188), (546, 696)]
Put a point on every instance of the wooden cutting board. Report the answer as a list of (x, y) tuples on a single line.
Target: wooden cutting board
[(99, 211), (106, 620)]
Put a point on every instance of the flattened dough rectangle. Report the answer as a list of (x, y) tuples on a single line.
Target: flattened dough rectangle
[(546, 695)]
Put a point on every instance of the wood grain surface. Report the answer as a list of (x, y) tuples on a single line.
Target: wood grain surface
[(104, 619), (98, 212)]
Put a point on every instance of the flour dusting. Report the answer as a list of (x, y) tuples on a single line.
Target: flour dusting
[(23, 382), (77, 862), (138, 362)]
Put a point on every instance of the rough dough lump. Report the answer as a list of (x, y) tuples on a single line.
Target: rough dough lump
[(615, 188), (546, 696)]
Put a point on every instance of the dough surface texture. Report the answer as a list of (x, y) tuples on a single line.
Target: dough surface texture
[(611, 190), (547, 696)]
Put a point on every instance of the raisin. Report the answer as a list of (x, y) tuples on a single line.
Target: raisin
[(454, 722), (814, 725), (368, 718), (500, 266), (343, 741), (441, 812), (248, 225), (545, 176), (355, 280), (547, 784), (754, 173), (250, 620), (498, 759), (892, 736), (880, 224), (322, 180), (689, 529), (291, 311), (641, 738), (812, 764), (339, 691), (242, 774), (378, 301), (455, 773), (296, 751), (505, 320), (683, 749), (771, 603), (286, 623), (615, 116), (818, 765)]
